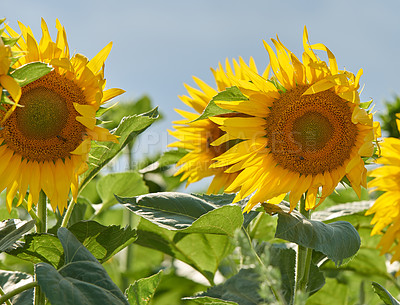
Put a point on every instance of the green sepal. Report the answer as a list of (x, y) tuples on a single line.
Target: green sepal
[(212, 109), (30, 72)]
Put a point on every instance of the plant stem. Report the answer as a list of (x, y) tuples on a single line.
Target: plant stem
[(4, 298), (41, 227), (68, 214), (304, 256), (3, 293)]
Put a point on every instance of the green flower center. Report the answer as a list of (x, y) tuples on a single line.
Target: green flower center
[(312, 131), (44, 114)]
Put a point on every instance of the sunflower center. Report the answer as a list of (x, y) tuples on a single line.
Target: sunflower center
[(44, 113), (310, 134), (45, 128), (312, 130)]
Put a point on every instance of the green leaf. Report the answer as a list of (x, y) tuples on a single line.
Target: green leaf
[(10, 280), (171, 157), (183, 212), (82, 280), (123, 108), (384, 295), (12, 230), (102, 241), (40, 248), (241, 288), (338, 240), (142, 291), (31, 72), (129, 128), (124, 184), (220, 200), (230, 94), (186, 227)]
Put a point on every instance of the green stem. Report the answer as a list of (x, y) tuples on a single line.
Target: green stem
[(41, 227), (5, 298), (304, 256), (68, 213), (3, 293), (129, 252)]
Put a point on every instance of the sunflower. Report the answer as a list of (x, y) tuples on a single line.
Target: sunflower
[(307, 130), (44, 145), (200, 137), (387, 207)]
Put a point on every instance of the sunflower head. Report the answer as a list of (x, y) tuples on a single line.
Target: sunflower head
[(307, 129), (386, 179), (44, 144), (200, 137)]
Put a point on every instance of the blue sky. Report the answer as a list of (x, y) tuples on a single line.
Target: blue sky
[(159, 45)]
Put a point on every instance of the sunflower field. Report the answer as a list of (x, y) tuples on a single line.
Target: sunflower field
[(300, 177)]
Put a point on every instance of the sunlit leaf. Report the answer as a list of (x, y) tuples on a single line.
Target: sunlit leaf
[(337, 240), (142, 291), (212, 109), (194, 230), (31, 72), (384, 295), (129, 128)]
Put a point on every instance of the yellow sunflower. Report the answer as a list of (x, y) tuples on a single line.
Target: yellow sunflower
[(44, 145), (306, 131), (387, 207), (199, 137)]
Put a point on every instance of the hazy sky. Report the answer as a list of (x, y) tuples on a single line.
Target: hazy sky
[(159, 45)]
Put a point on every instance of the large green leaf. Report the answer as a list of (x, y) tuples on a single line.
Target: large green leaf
[(10, 280), (337, 240), (82, 280), (194, 230), (102, 241), (183, 212), (129, 128), (142, 291), (384, 295), (219, 200), (31, 72), (11, 231), (212, 109)]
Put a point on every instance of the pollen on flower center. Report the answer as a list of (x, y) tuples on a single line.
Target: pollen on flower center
[(45, 128), (310, 134)]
